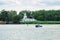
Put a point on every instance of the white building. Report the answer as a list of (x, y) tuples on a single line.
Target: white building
[(27, 19)]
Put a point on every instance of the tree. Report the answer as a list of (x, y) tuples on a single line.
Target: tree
[(28, 13), (11, 14), (4, 15), (17, 18)]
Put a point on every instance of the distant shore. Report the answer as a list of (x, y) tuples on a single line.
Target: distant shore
[(34, 22), (41, 22)]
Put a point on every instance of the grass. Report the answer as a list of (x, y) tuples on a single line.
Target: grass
[(41, 22)]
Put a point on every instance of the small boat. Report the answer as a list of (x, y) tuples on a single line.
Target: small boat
[(38, 25)]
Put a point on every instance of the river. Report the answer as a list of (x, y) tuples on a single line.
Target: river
[(30, 32)]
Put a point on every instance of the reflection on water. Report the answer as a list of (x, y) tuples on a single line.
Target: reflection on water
[(29, 32)]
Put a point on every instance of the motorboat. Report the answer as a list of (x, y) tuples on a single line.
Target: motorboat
[(38, 25)]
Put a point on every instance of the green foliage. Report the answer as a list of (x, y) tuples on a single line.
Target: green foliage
[(28, 13), (17, 18), (41, 22), (47, 15), (40, 15), (4, 15), (11, 14)]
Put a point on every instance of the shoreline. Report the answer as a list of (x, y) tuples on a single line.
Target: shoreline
[(30, 26)]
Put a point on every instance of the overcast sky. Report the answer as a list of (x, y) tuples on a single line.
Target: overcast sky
[(19, 5)]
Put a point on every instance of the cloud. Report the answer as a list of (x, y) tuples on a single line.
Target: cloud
[(19, 5), (51, 2)]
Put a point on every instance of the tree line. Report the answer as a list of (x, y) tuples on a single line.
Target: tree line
[(10, 16), (39, 15), (47, 15), (44, 15)]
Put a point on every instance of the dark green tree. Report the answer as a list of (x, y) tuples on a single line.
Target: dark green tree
[(4, 15), (17, 19)]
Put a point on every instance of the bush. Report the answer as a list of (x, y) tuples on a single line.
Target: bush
[(41, 22)]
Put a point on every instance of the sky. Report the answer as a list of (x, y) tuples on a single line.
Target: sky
[(20, 5)]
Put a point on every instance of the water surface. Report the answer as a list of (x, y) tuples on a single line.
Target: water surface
[(29, 32)]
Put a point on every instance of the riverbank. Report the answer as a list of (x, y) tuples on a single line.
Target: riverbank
[(32, 22), (28, 26), (41, 22)]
